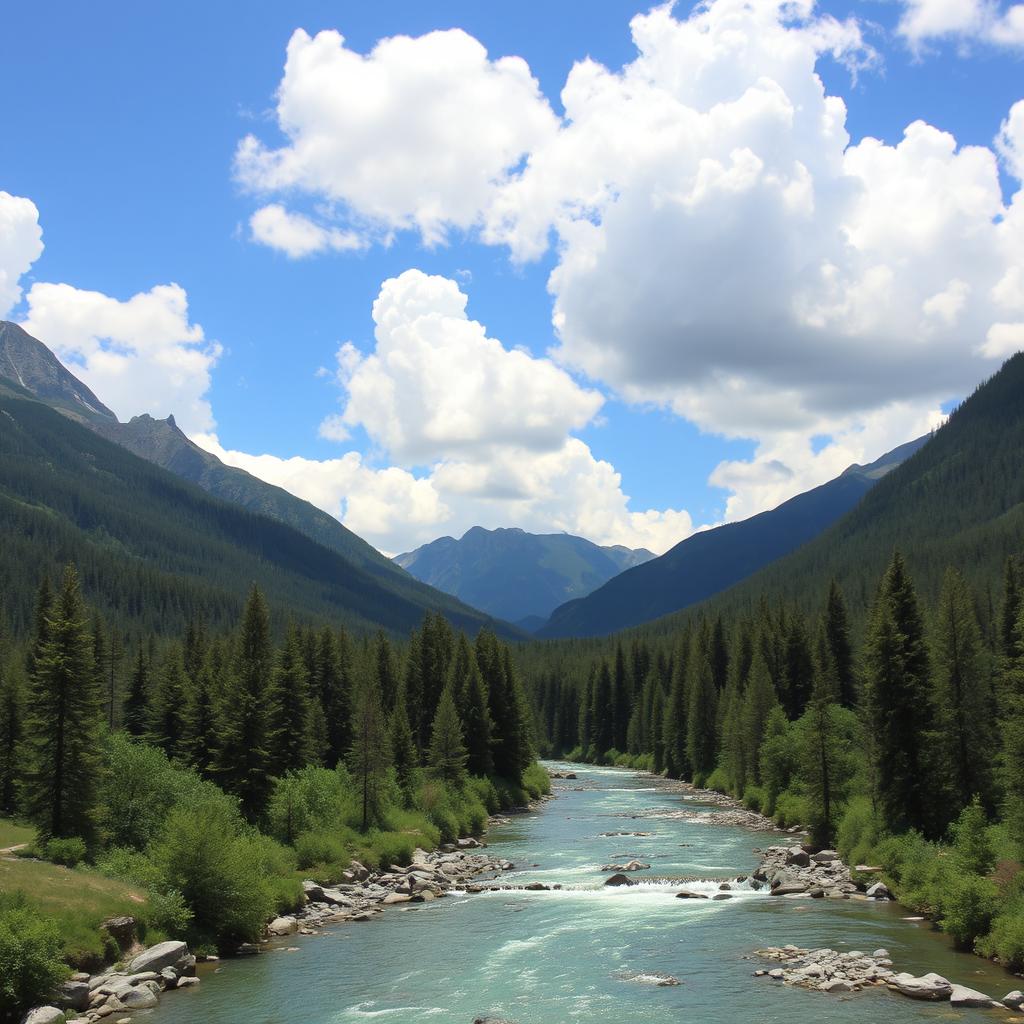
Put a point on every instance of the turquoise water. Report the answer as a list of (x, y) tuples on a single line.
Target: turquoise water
[(585, 953)]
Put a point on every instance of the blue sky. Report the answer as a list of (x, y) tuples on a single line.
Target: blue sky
[(122, 127)]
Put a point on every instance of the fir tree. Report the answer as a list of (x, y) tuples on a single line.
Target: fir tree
[(404, 755), (64, 721), (448, 755), (675, 729), (201, 731), (242, 756), (840, 647), (603, 727), (758, 704), (135, 713), (12, 731), (387, 673), (701, 741), (370, 754), (963, 698), (585, 729), (289, 744), (168, 724), (476, 720), (657, 730), (332, 682), (622, 701)]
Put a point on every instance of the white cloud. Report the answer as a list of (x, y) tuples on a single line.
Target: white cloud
[(140, 355), (1003, 340), (21, 244), (1010, 141), (418, 134), (983, 20), (296, 235), (436, 386)]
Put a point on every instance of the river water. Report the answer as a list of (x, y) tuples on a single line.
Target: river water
[(585, 953)]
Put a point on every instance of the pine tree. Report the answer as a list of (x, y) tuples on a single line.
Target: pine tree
[(64, 721), (476, 719), (387, 673), (837, 633), (898, 709), (201, 729), (657, 729), (677, 763), (758, 704), (798, 671), (241, 764), (289, 744), (332, 682), (404, 755), (962, 696), (585, 729), (622, 700), (448, 755), (40, 625), (701, 739), (603, 726), (370, 754), (413, 687), (733, 755), (135, 713), (168, 724), (12, 731)]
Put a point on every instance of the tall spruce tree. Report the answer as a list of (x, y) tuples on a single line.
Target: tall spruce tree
[(702, 713), (135, 714), (966, 711), (387, 673), (201, 728), (63, 758), (448, 755), (677, 763), (242, 762), (289, 743), (476, 719), (370, 755), (168, 724), (898, 706), (840, 646), (404, 755), (603, 729), (622, 700), (758, 704), (12, 732)]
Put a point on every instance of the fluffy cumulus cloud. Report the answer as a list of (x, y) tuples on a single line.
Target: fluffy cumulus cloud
[(418, 134), (296, 235), (139, 355), (987, 21), (475, 434), (21, 244)]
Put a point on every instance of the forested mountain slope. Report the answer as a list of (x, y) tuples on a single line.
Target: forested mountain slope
[(709, 562), (516, 575), (154, 551)]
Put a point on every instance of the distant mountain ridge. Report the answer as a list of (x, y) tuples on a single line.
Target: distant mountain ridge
[(518, 576), (713, 560), (29, 370)]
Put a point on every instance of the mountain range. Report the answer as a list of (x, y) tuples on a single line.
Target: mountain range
[(517, 576), (714, 560)]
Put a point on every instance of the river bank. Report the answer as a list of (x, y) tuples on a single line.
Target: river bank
[(537, 954)]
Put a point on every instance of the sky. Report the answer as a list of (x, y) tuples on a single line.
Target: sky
[(613, 270)]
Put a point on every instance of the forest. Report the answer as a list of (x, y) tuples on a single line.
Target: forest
[(889, 747), (212, 772)]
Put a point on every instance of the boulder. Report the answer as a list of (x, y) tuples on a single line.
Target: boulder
[(836, 985), (283, 926), (396, 897), (722, 896), (492, 1020), (156, 958), (962, 996), (825, 856), (123, 930), (797, 856), (1014, 1000), (74, 995), (140, 998), (687, 895), (879, 891), (929, 986), (44, 1015), (617, 879), (469, 844), (187, 982), (790, 888)]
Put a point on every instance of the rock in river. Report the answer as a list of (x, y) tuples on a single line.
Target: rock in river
[(617, 879), (156, 958)]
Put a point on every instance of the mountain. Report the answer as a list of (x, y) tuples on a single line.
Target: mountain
[(30, 364), (517, 576), (72, 473), (713, 560)]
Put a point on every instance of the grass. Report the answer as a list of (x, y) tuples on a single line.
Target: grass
[(13, 834), (78, 899)]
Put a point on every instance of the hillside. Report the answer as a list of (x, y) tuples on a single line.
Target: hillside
[(713, 560), (153, 550), (517, 576)]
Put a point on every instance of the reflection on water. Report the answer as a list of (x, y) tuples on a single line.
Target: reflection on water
[(585, 952)]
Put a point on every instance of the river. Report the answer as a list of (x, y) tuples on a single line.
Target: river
[(585, 953)]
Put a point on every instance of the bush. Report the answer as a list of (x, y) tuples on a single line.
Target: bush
[(312, 848), (69, 852), (310, 800), (31, 965), (791, 809), (536, 780), (130, 866), (1006, 940), (966, 905), (913, 865), (718, 780), (972, 845), (859, 832), (753, 798), (167, 912)]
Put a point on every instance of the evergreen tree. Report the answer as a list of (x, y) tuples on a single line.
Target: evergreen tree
[(476, 719), (40, 625), (602, 721), (404, 755), (758, 705), (963, 699), (168, 724), (12, 731), (64, 721), (413, 686), (733, 755), (370, 755), (332, 682), (798, 670), (898, 709), (136, 704), (289, 745), (201, 731), (675, 730), (622, 701), (448, 755), (586, 715), (657, 730), (387, 673), (242, 764), (840, 646), (701, 740)]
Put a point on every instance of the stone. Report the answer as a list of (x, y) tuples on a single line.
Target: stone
[(470, 844), (687, 895), (881, 954), (491, 1020), (789, 889), (536, 887), (961, 995), (798, 857), (879, 891), (1014, 1000), (722, 896), (44, 1015), (617, 879), (122, 930), (836, 985), (929, 986), (396, 897), (156, 958), (74, 995), (169, 976), (283, 926), (141, 998), (825, 856), (187, 982)]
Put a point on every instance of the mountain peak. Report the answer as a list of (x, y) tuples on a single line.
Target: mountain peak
[(27, 362)]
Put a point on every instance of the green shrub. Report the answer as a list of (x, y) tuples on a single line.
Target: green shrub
[(1006, 939), (753, 798), (130, 866), (972, 844), (31, 963), (311, 800), (914, 866), (536, 780), (486, 793), (312, 848), (69, 852), (718, 780), (859, 832), (966, 905), (791, 809), (167, 912)]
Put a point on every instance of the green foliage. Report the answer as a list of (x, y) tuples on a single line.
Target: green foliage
[(448, 755), (972, 844), (312, 848), (31, 962), (859, 832), (70, 851), (311, 799), (965, 905), (1006, 939)]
